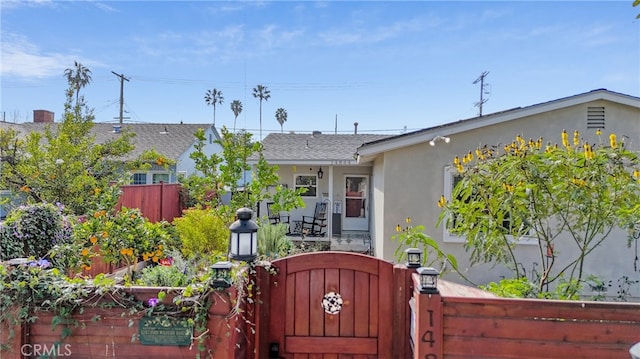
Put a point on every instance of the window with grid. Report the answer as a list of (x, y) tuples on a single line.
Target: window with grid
[(451, 179), (139, 178), (160, 177), (310, 182)]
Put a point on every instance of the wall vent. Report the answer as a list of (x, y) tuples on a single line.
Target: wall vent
[(595, 117)]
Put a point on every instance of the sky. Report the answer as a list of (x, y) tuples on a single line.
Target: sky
[(390, 66)]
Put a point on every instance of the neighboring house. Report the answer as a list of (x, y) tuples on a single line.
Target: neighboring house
[(409, 173), (326, 165), (174, 141)]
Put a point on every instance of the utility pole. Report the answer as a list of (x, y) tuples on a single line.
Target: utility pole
[(482, 92), (122, 80)]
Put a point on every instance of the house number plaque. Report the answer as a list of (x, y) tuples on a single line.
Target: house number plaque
[(164, 331)]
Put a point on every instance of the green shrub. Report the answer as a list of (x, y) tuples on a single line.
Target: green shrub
[(201, 232), (163, 276), (33, 230), (274, 242)]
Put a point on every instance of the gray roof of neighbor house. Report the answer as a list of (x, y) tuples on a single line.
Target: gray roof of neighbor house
[(170, 140), (313, 147)]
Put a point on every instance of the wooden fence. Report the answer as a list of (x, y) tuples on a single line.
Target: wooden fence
[(457, 323), (157, 202)]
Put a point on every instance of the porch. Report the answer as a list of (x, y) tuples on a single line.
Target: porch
[(347, 241)]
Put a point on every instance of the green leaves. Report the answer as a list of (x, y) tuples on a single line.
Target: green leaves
[(575, 192)]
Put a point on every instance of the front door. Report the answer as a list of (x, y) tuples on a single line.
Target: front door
[(356, 211), (332, 304)]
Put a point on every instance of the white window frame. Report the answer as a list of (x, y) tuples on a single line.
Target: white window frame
[(296, 186), (149, 176), (153, 174), (449, 173)]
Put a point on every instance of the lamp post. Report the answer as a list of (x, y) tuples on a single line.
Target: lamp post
[(414, 257), (428, 280), (243, 241)]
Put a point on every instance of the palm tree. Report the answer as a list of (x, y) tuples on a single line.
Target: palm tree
[(236, 107), (262, 93), (78, 77), (281, 117), (213, 97)]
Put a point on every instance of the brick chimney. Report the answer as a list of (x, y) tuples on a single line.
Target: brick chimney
[(42, 116)]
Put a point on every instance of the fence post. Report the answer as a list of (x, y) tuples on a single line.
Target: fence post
[(428, 321)]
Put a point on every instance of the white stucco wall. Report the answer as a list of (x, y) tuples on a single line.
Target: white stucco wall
[(411, 181)]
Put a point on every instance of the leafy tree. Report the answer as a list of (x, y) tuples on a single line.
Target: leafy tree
[(281, 117), (636, 3), (575, 192), (225, 173), (262, 93), (78, 77), (63, 163), (213, 97), (236, 107)]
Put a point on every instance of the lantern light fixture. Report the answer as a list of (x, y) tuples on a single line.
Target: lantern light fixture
[(414, 257), (320, 173), (428, 280), (243, 241), (221, 274)]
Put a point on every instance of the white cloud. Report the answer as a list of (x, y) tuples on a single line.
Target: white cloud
[(24, 59)]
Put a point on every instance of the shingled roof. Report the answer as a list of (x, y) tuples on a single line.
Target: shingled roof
[(297, 147), (171, 140)]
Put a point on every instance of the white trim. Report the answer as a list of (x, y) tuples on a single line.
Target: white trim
[(368, 152)]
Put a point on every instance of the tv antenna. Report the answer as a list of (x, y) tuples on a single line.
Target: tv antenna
[(483, 91), (122, 80)]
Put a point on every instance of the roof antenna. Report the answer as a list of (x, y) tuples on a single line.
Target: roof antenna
[(482, 91)]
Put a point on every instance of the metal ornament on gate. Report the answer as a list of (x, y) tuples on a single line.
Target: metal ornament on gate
[(332, 303)]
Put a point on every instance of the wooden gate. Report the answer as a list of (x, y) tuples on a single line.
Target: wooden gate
[(324, 304)]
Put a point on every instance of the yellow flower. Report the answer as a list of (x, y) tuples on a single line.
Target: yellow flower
[(612, 140), (132, 216), (576, 137), (636, 174), (155, 259), (85, 252), (86, 267), (93, 239), (565, 139), (442, 201), (25, 188), (104, 234), (398, 228), (408, 219), (598, 132), (123, 251)]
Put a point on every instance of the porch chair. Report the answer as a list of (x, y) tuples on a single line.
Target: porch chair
[(316, 225), (276, 217)]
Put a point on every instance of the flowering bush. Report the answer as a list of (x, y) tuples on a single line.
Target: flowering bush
[(121, 237), (33, 230)]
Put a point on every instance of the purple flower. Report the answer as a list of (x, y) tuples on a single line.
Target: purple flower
[(152, 302), (41, 263)]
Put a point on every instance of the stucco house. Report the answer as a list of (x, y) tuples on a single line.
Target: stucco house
[(327, 166), (174, 141), (409, 173)]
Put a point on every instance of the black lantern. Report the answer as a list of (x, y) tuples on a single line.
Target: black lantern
[(414, 257), (320, 173), (221, 274), (243, 242), (428, 280)]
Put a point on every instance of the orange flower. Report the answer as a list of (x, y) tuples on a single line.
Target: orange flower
[(86, 267), (85, 252), (155, 259), (93, 239), (104, 234), (25, 188)]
